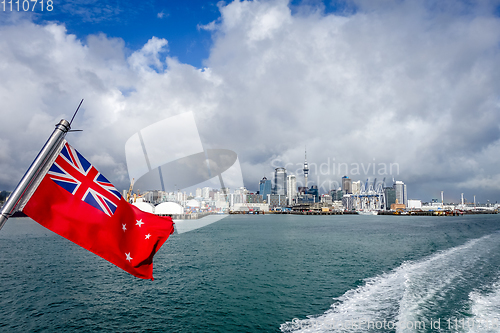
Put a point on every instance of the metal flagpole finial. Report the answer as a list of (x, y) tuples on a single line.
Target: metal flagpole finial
[(78, 108)]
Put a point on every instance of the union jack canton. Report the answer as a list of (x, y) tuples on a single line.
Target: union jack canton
[(76, 175)]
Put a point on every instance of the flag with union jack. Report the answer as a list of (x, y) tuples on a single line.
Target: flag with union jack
[(77, 202)]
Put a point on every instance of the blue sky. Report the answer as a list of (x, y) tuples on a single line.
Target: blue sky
[(177, 21), (356, 81), (137, 22)]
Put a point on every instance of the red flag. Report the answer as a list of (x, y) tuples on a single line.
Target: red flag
[(77, 202)]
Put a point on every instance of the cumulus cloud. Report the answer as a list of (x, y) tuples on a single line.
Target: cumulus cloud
[(392, 82)]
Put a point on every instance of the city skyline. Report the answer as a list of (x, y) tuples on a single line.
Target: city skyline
[(365, 85)]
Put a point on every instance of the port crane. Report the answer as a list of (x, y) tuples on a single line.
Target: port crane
[(129, 193), (371, 196)]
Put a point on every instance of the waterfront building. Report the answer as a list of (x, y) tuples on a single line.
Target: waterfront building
[(277, 200), (222, 195), (346, 185), (291, 188), (279, 181), (180, 197), (337, 205), (205, 192), (254, 198), (250, 207), (390, 197), (150, 197), (237, 198), (305, 199), (337, 194), (198, 193), (401, 194), (398, 206), (241, 190), (356, 187), (349, 202), (265, 188), (326, 198), (414, 204)]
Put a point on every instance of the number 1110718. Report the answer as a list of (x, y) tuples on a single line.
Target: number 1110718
[(26, 5)]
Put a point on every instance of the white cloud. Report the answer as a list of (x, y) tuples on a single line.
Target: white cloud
[(148, 56), (395, 82)]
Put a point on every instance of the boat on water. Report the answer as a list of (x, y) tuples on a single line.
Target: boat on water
[(367, 212)]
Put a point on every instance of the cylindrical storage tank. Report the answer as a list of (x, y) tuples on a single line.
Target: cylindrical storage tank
[(145, 207), (169, 208)]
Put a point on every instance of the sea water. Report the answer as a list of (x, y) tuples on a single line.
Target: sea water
[(270, 273)]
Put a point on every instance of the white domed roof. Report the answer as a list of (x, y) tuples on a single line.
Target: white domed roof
[(169, 208), (145, 206), (193, 203)]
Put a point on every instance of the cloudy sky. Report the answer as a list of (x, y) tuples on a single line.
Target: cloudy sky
[(410, 84)]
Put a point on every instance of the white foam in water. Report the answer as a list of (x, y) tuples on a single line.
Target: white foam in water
[(486, 312), (400, 299)]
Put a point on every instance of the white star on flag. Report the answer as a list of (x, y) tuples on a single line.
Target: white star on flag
[(139, 223), (129, 258), (124, 227), (148, 235)]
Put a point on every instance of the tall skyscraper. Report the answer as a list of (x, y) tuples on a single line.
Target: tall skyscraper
[(356, 187), (205, 192), (291, 188), (265, 188), (346, 185), (401, 194), (306, 169), (279, 181), (390, 197)]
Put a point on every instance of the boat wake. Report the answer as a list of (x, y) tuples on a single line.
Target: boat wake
[(435, 294), (485, 310)]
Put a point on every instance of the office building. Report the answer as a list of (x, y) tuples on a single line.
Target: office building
[(337, 194), (277, 200), (205, 192), (356, 187), (390, 197), (291, 188), (346, 185), (265, 188), (401, 194), (279, 181), (254, 198)]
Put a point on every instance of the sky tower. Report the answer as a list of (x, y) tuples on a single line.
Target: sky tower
[(306, 169)]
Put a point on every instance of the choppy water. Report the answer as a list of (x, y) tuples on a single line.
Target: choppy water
[(265, 274)]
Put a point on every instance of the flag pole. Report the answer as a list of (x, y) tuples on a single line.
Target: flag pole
[(33, 172)]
